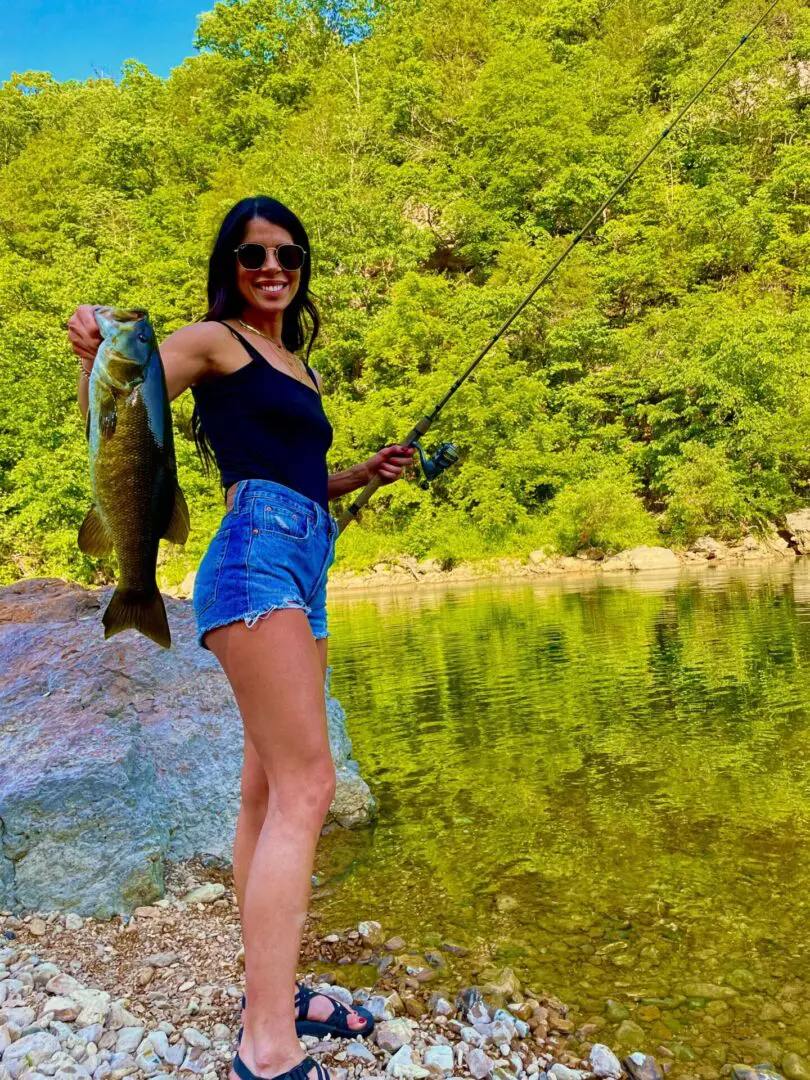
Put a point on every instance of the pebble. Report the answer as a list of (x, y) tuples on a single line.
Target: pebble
[(563, 1072), (28, 1051), (393, 1034), (358, 1051), (196, 1038), (205, 894), (164, 959), (37, 927), (439, 1058), (403, 1067), (479, 1064), (73, 921), (604, 1062), (129, 1039)]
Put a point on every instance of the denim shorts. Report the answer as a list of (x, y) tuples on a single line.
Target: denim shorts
[(272, 550)]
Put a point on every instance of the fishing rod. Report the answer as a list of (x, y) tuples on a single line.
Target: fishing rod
[(447, 454)]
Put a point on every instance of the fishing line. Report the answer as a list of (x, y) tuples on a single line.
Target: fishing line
[(447, 454)]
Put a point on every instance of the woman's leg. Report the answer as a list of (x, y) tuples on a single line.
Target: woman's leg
[(276, 674), (252, 813)]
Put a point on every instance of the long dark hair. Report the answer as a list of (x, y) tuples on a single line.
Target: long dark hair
[(301, 321)]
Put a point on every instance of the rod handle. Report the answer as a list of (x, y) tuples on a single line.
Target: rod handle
[(350, 513)]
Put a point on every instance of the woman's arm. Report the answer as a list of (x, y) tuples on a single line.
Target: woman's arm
[(187, 354), (389, 463)]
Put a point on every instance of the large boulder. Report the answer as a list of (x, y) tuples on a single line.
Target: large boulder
[(798, 525), (642, 558), (118, 755)]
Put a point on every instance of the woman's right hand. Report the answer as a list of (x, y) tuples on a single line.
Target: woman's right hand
[(85, 336)]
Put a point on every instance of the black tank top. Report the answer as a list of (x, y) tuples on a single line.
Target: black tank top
[(265, 425)]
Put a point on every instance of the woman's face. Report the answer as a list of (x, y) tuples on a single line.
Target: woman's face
[(269, 289)]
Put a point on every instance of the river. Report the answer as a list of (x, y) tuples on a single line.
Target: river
[(602, 784)]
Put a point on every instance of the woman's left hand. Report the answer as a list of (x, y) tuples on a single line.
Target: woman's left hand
[(389, 463)]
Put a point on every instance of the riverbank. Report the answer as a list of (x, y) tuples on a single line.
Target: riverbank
[(405, 571), (158, 994)]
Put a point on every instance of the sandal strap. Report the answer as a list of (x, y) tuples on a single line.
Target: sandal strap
[(300, 1071), (338, 1015)]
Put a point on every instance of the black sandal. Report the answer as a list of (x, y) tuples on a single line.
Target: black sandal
[(300, 1071), (303, 996), (338, 1022)]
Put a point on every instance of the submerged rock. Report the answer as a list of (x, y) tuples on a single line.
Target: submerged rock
[(124, 754), (642, 1067)]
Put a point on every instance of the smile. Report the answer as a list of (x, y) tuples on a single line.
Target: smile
[(277, 287)]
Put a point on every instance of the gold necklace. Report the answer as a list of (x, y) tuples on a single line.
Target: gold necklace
[(297, 372)]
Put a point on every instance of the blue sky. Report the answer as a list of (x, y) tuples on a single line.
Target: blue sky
[(70, 38)]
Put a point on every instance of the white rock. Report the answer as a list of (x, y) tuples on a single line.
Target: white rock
[(604, 1062), (43, 972), (197, 1060), (562, 1072), (8, 1034), (196, 1038), (28, 1051), (403, 1067), (205, 894), (4, 1073), (358, 1051), (479, 1064), (122, 1065), (73, 921), (442, 1007), (118, 1017), (160, 1042), (63, 984), (129, 1039), (472, 1036), (439, 1058), (21, 1016), (103, 1071), (61, 1008), (642, 558), (92, 1033), (338, 992), (221, 1033), (94, 1004), (378, 1008), (393, 1034), (176, 1054)]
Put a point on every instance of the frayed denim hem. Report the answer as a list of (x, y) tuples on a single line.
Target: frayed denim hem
[(251, 620)]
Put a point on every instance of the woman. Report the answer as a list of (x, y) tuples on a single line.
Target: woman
[(259, 595)]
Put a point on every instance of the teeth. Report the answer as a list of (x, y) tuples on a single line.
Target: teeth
[(271, 288)]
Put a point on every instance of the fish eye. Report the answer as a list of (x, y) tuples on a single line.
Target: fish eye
[(144, 337)]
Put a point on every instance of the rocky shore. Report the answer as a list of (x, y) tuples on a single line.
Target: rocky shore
[(157, 994), (787, 543)]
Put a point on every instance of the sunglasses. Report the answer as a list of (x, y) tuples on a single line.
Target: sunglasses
[(254, 256)]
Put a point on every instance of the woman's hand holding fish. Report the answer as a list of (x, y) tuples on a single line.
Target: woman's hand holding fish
[(85, 336)]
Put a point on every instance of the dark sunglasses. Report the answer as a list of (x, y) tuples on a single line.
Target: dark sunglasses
[(254, 256)]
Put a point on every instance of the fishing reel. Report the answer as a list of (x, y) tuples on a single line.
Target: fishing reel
[(440, 460)]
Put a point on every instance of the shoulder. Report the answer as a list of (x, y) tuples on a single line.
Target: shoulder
[(192, 353)]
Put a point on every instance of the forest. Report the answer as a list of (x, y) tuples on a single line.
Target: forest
[(441, 154)]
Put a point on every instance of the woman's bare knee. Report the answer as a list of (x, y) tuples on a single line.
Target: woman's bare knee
[(304, 796)]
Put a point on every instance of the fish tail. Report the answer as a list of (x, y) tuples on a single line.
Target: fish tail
[(138, 609)]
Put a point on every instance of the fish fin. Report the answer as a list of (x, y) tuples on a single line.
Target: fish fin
[(135, 609), (107, 415), (179, 524), (87, 426), (93, 536)]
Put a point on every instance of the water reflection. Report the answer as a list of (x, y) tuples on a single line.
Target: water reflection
[(601, 782)]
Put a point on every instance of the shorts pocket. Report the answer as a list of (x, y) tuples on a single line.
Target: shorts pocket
[(207, 581), (281, 519)]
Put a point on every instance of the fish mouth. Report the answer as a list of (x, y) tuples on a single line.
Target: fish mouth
[(124, 315)]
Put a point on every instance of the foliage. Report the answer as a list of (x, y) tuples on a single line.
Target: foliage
[(441, 153), (600, 512)]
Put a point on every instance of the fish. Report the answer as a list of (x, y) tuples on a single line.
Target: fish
[(137, 499)]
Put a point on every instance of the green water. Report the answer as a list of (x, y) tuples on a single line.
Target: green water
[(602, 785)]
